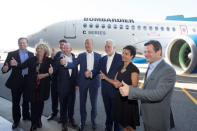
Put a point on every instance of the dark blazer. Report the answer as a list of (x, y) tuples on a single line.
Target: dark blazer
[(16, 74), (82, 60), (55, 64), (116, 62), (44, 86), (66, 83)]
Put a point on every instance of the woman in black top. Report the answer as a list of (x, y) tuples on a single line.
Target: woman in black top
[(125, 112), (39, 70)]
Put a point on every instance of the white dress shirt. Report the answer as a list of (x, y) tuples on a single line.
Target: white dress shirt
[(90, 60), (109, 61), (69, 59)]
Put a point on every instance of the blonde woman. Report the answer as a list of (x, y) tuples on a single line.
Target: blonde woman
[(39, 70)]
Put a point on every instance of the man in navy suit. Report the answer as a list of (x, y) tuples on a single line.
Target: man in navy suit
[(88, 80), (66, 82), (54, 93), (109, 65), (17, 81)]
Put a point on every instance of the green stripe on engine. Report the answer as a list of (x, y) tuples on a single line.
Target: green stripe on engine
[(181, 55)]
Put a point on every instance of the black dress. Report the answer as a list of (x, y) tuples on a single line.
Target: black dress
[(126, 112)]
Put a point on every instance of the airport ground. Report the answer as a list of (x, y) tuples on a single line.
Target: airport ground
[(184, 107)]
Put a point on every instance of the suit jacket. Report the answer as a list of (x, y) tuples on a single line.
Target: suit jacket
[(116, 62), (66, 83), (55, 64), (82, 61), (155, 97), (15, 78), (44, 85)]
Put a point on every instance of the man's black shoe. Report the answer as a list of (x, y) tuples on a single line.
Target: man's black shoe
[(39, 124), (73, 123), (64, 127), (93, 125), (51, 117), (81, 127), (107, 129), (26, 118), (33, 127), (60, 122), (15, 125)]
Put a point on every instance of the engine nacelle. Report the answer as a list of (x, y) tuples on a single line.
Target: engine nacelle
[(181, 53)]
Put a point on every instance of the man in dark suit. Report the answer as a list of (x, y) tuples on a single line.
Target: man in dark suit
[(17, 81), (88, 79), (109, 65), (66, 82), (157, 90), (54, 92)]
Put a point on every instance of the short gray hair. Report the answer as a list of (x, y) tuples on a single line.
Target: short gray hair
[(112, 41), (68, 44)]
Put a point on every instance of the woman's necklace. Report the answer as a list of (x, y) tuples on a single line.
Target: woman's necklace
[(123, 69)]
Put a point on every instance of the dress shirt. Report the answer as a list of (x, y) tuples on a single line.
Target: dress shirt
[(90, 60), (152, 66), (109, 61), (69, 59), (23, 57)]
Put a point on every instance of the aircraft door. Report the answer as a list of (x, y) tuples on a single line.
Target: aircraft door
[(70, 30), (183, 29)]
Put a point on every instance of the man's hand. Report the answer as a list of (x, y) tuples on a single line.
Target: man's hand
[(76, 88), (102, 75), (5, 67), (50, 69), (13, 62), (63, 61), (117, 83), (88, 73), (124, 90), (40, 76)]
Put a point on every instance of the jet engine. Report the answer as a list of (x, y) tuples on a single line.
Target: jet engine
[(181, 53)]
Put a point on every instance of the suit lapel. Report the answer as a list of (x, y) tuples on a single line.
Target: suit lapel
[(153, 73), (105, 65), (18, 57), (85, 60), (113, 62), (73, 58), (94, 61), (29, 54)]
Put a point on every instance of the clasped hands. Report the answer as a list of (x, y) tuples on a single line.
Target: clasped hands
[(88, 73)]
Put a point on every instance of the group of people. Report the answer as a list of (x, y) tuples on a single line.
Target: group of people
[(34, 76)]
